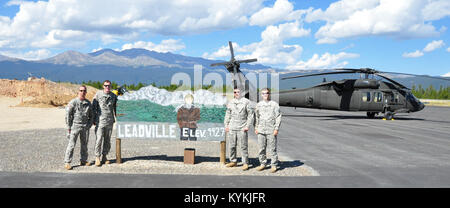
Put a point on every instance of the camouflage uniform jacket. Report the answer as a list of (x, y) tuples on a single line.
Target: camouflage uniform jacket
[(239, 115), (104, 108), (79, 112), (267, 117)]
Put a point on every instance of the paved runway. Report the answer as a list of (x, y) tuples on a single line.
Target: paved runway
[(411, 151), (345, 148)]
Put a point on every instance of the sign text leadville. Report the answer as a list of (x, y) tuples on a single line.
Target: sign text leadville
[(168, 131)]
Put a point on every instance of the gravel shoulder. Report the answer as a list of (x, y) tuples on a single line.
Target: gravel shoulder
[(43, 150), (34, 140)]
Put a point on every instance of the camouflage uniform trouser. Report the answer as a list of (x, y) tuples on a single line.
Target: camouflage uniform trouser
[(233, 136), (269, 142), (103, 140), (76, 131)]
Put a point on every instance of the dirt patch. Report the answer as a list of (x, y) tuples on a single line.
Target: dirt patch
[(43, 93)]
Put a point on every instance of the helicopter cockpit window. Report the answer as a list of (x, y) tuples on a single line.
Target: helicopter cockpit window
[(378, 97), (366, 97)]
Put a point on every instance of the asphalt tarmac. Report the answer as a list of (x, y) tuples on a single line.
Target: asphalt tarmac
[(345, 148)]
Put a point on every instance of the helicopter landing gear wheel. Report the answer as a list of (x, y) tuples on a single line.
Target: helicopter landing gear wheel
[(371, 114), (388, 115)]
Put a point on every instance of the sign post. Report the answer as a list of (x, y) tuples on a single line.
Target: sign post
[(118, 151), (223, 151)]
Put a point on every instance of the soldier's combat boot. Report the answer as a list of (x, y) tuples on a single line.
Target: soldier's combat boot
[(260, 168), (67, 166), (273, 169), (97, 161), (231, 164), (105, 160), (245, 167), (84, 163)]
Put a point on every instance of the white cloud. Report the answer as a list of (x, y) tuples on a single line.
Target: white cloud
[(327, 60), (446, 75), (97, 49), (15, 2), (169, 45), (29, 55), (271, 49), (448, 49), (37, 54), (282, 10), (403, 19), (435, 44), (326, 40), (70, 23), (436, 10), (414, 54), (223, 52), (340, 10)]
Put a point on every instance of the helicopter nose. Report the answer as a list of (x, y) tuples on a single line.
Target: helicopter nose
[(420, 107)]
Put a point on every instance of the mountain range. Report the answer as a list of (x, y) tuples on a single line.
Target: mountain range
[(135, 58), (127, 66), (141, 65)]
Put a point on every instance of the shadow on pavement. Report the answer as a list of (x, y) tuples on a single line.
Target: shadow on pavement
[(254, 162)]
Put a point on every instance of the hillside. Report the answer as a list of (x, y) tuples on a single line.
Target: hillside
[(41, 92)]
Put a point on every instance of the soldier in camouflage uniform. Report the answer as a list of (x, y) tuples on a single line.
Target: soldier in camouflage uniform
[(104, 104), (238, 118), (267, 123), (79, 118)]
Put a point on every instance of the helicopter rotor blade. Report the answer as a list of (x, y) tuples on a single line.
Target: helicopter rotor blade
[(220, 64), (393, 81), (231, 50), (324, 73), (361, 70), (247, 60), (367, 71), (416, 75)]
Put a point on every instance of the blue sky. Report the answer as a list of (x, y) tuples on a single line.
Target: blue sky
[(409, 36)]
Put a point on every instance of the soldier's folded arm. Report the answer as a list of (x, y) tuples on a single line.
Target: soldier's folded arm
[(115, 106), (95, 109), (91, 117)]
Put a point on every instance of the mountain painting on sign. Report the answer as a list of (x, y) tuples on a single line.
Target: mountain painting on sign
[(152, 113)]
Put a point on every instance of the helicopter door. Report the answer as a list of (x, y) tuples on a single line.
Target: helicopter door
[(397, 101), (377, 102), (366, 99), (388, 100)]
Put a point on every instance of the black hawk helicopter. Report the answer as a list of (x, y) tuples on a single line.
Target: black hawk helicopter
[(366, 94)]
